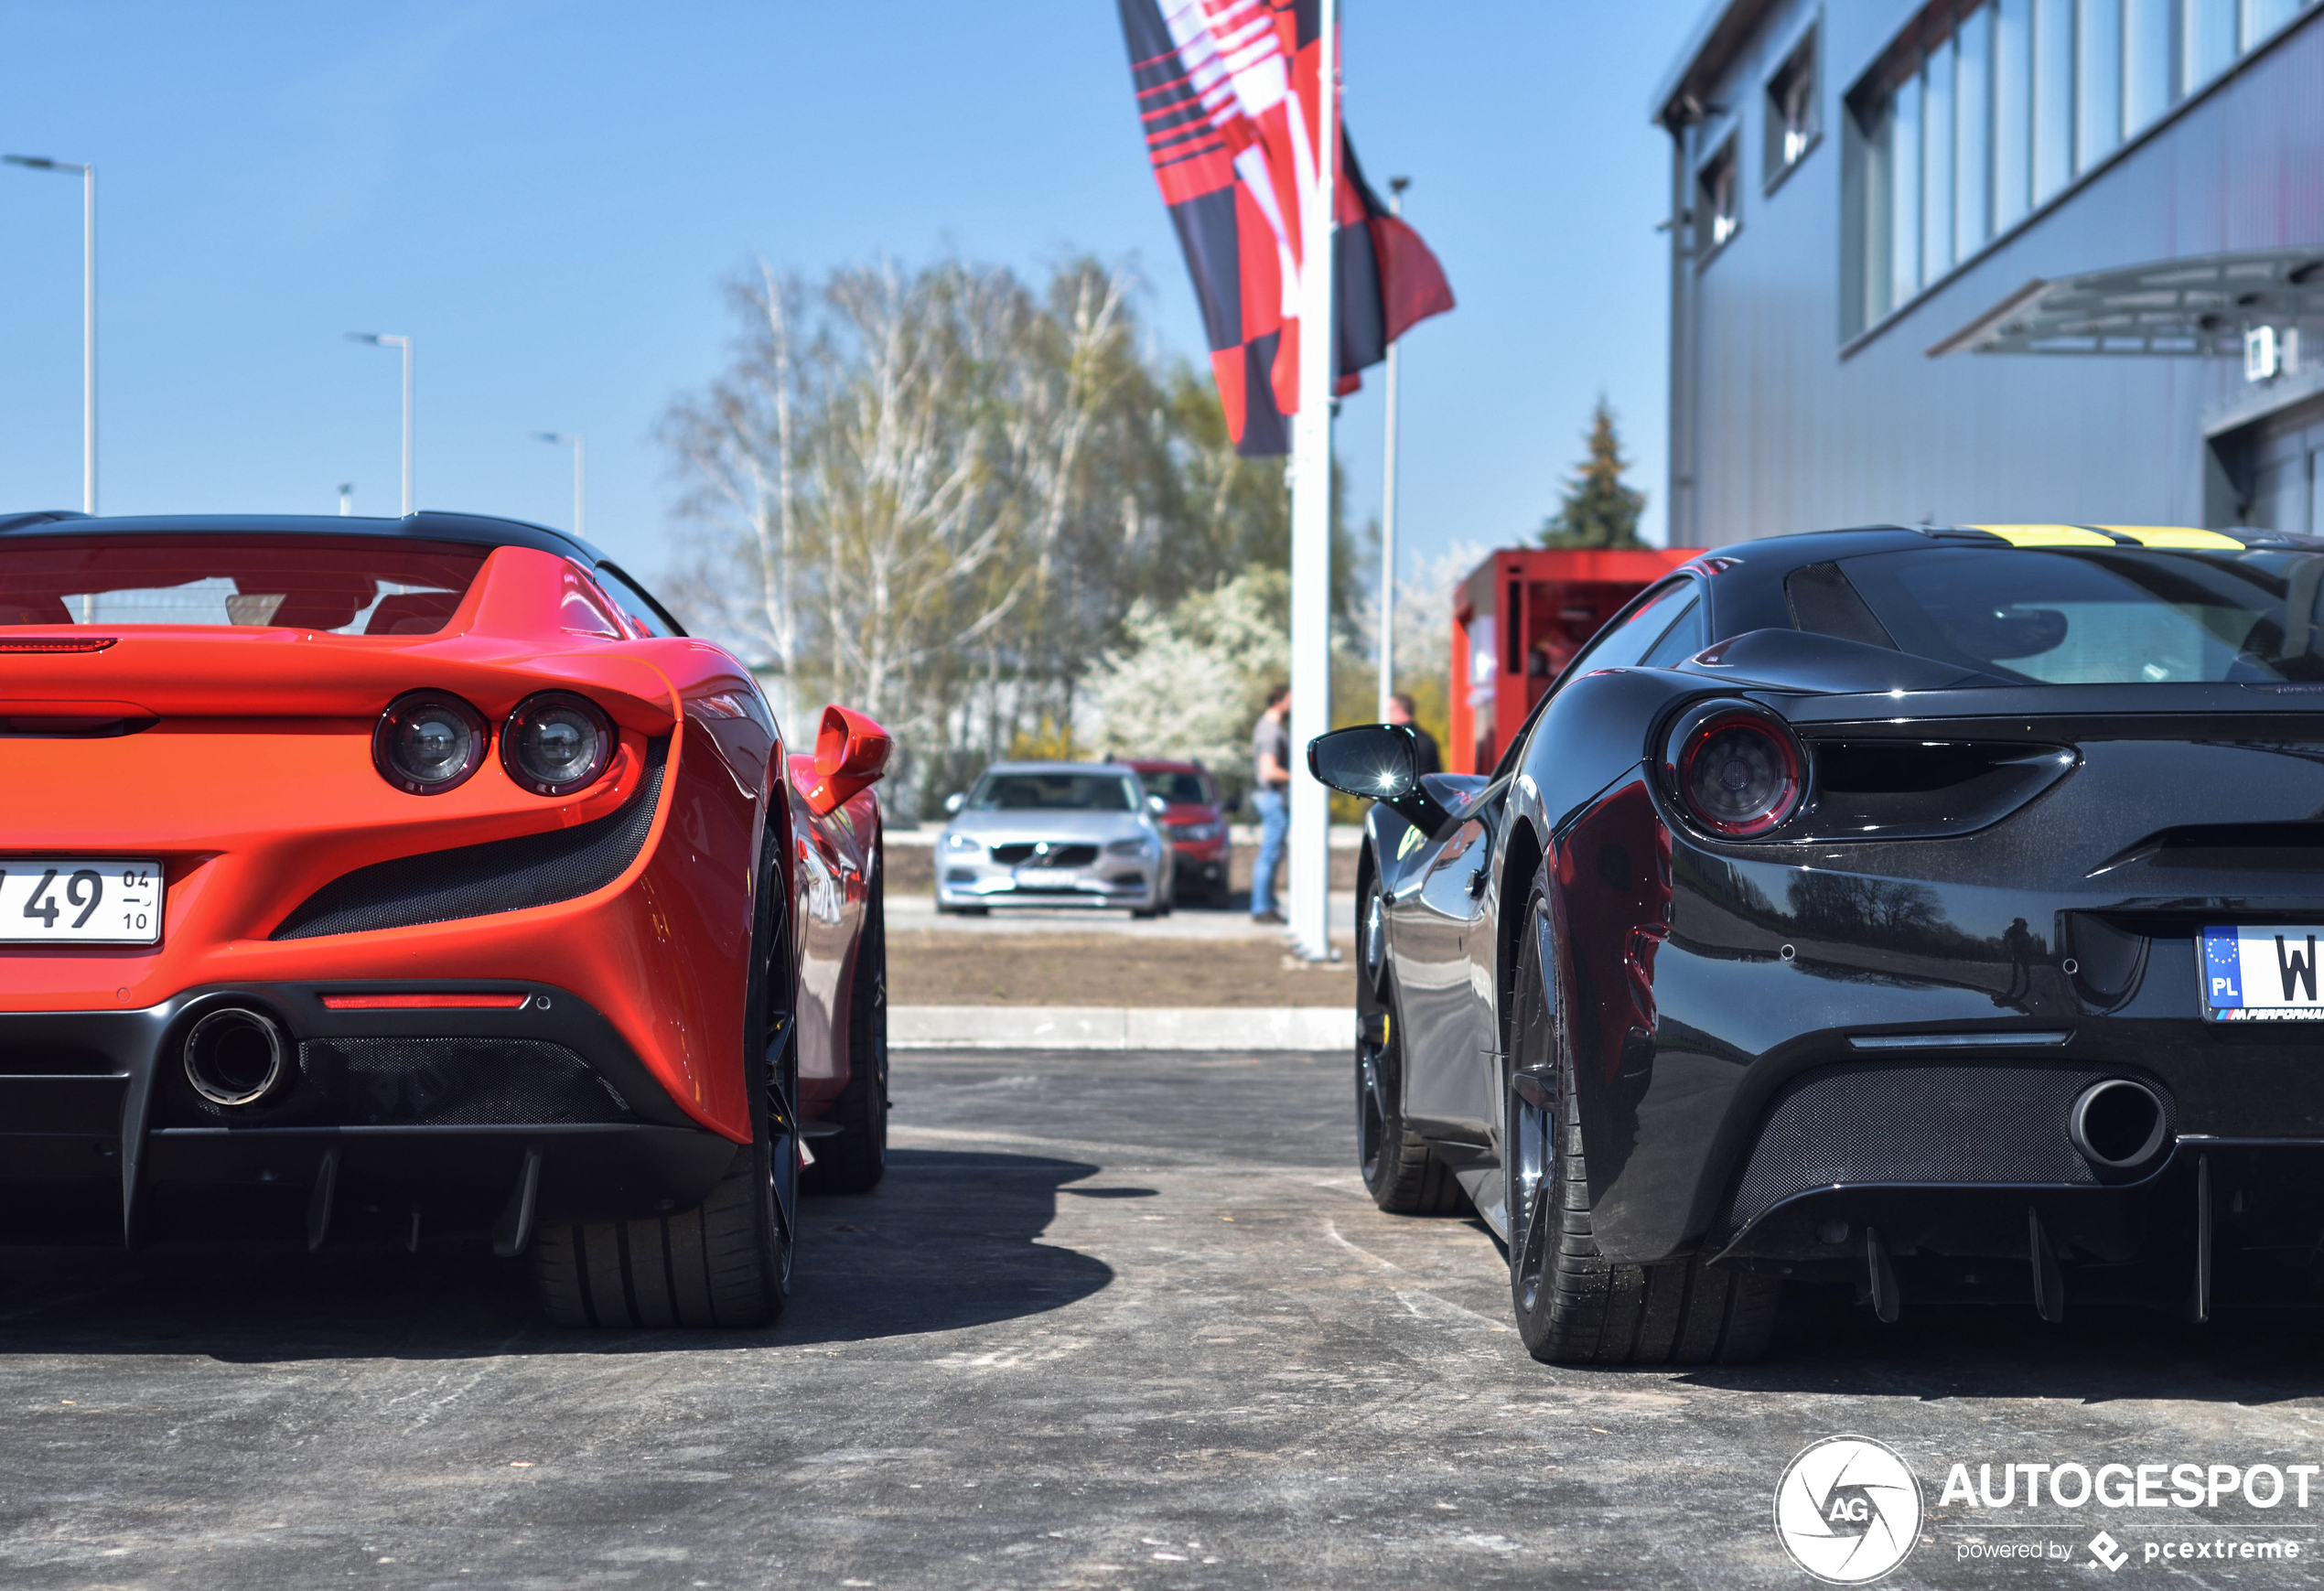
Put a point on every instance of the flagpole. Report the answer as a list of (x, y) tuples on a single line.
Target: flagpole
[(1397, 186), (1310, 847)]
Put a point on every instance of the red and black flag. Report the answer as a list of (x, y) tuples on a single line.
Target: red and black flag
[(1228, 95)]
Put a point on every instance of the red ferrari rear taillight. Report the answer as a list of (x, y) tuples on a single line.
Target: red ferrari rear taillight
[(1738, 771), (428, 742), (556, 743)]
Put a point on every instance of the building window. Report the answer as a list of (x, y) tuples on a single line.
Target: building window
[(1792, 124), (1984, 111), (1715, 200)]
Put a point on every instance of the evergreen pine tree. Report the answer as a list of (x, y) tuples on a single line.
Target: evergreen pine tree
[(1598, 510)]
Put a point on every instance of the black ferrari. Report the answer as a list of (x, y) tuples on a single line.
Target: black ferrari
[(1928, 912)]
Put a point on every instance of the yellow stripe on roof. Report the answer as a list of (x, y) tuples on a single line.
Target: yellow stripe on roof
[(2176, 536), (2046, 535)]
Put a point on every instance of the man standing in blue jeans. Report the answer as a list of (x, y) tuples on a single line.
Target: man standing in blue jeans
[(1270, 794)]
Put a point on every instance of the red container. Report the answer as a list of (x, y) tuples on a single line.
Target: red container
[(1518, 620)]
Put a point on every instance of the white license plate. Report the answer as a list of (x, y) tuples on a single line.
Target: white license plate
[(2262, 974), (82, 900), (1047, 878)]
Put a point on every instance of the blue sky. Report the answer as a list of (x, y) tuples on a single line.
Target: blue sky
[(547, 194)]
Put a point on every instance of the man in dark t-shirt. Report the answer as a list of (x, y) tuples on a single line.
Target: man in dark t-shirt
[(1424, 752)]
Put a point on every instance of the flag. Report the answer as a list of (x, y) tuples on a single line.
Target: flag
[(1227, 93)]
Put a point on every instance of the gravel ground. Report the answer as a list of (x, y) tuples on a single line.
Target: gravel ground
[(927, 967), (1113, 1321)]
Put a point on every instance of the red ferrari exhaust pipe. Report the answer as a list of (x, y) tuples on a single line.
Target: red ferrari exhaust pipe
[(236, 1057)]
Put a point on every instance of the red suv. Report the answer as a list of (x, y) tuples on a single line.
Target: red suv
[(1195, 824)]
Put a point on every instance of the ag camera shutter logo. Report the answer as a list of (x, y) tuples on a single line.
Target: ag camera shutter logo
[(1848, 1510)]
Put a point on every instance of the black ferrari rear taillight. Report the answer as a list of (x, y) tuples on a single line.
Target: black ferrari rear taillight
[(556, 743), (428, 742), (1738, 771)]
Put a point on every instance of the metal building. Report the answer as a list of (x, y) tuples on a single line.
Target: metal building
[(1996, 260)]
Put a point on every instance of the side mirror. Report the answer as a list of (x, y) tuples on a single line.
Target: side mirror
[(851, 753), (1154, 803), (954, 801), (1379, 762)]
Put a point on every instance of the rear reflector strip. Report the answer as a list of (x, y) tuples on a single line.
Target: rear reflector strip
[(425, 1002), (1955, 1040), (95, 643)]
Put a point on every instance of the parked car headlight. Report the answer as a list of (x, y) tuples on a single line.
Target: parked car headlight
[(1141, 846), (1196, 831), (959, 843)]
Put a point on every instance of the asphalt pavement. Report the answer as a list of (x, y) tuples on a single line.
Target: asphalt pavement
[(1121, 1320)]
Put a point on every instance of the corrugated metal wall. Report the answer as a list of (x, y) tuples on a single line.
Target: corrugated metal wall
[(1790, 435)]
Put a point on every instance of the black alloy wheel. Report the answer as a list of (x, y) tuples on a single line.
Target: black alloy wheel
[(1373, 932), (855, 1158), (727, 1261), (1572, 1306), (1402, 1173), (1528, 1151)]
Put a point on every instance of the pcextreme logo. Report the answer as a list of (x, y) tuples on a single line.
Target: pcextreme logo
[(1848, 1510)]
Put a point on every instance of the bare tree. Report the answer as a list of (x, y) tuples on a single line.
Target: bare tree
[(934, 494), (736, 446)]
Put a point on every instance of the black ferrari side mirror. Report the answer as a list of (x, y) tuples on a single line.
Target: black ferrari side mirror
[(1380, 762)]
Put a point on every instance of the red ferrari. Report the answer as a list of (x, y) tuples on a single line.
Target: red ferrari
[(423, 875)]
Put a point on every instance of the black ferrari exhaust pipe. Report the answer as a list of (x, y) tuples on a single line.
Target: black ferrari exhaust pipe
[(236, 1057), (2117, 1124)]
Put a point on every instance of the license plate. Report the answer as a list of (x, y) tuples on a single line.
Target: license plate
[(82, 900), (2262, 974), (1047, 878)]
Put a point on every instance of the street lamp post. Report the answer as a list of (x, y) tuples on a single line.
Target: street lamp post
[(87, 314), (385, 340), (1397, 186), (580, 476)]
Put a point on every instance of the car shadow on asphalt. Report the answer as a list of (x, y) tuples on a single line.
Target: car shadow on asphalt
[(949, 1240), (1825, 1344)]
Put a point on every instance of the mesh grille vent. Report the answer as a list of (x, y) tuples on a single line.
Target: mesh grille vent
[(478, 880), (458, 1082), (1058, 855), (1959, 1123)]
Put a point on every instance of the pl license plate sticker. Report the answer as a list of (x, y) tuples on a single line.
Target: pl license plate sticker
[(82, 900), (2261, 974)]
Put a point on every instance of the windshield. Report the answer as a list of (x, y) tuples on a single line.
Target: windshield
[(1178, 787), (1054, 793), (346, 585), (2101, 616)]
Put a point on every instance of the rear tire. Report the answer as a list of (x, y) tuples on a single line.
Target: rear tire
[(1572, 1306), (854, 1159), (727, 1261), (1405, 1174)]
